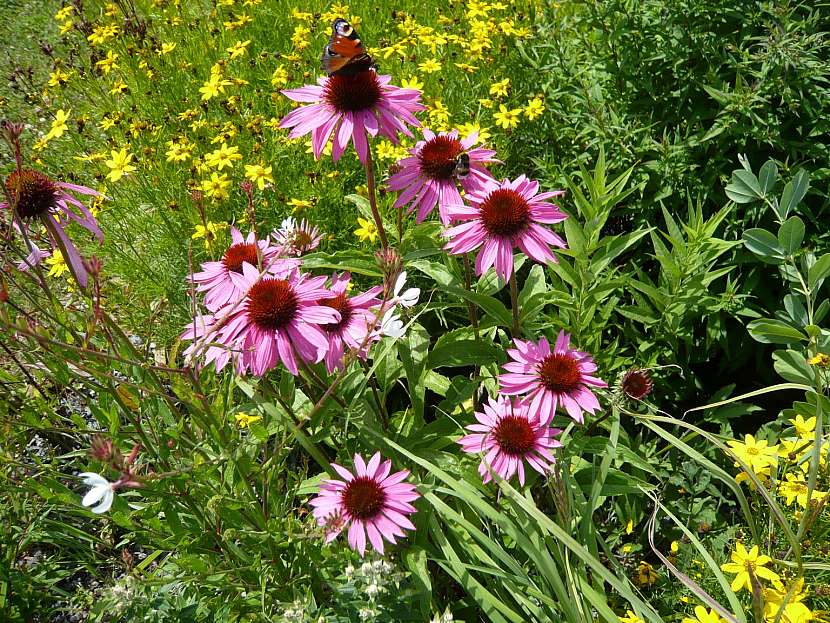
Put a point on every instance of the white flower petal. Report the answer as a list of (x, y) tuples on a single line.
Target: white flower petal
[(410, 297), (101, 492), (106, 503), (399, 283), (391, 325), (94, 495), (91, 479)]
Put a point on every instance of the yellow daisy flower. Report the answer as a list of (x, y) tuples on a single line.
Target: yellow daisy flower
[(367, 230), (119, 164), (744, 562)]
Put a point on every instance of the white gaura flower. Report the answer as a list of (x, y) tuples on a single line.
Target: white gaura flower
[(391, 325), (409, 297), (102, 492), (288, 225)]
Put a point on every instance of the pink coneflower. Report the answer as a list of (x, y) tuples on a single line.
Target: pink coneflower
[(428, 177), (36, 196), (222, 281), (372, 502), (276, 319), (297, 239), (356, 321), (562, 377), (501, 217), (508, 434), (349, 107)]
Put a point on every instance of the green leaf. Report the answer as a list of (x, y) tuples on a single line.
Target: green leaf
[(818, 271), (616, 482), (795, 308), (763, 244), (310, 486), (793, 193), (792, 366), (412, 351), (575, 236), (773, 331), (767, 176), (744, 188), (491, 306), (436, 271), (534, 284), (613, 246), (416, 562), (464, 353), (353, 261), (790, 234)]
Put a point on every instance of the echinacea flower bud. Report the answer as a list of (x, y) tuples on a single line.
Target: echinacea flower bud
[(636, 384), (390, 263), (11, 131)]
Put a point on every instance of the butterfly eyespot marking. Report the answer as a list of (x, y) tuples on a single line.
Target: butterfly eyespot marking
[(342, 27), (344, 53)]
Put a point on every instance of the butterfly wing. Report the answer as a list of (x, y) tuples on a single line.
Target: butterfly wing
[(344, 54)]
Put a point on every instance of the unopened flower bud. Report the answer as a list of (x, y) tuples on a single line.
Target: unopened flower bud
[(93, 266), (11, 131), (636, 384), (390, 263), (103, 449)]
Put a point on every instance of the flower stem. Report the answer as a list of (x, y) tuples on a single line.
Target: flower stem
[(369, 166), (384, 416), (468, 280), (514, 302)]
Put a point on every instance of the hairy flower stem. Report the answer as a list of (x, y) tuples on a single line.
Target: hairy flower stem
[(369, 166), (514, 302)]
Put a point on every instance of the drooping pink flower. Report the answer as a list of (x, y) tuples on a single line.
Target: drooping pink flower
[(350, 107), (509, 433), (35, 257), (202, 331), (297, 239), (428, 176), (371, 502), (277, 318), (222, 281), (563, 377), (503, 216), (35, 196), (354, 328)]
